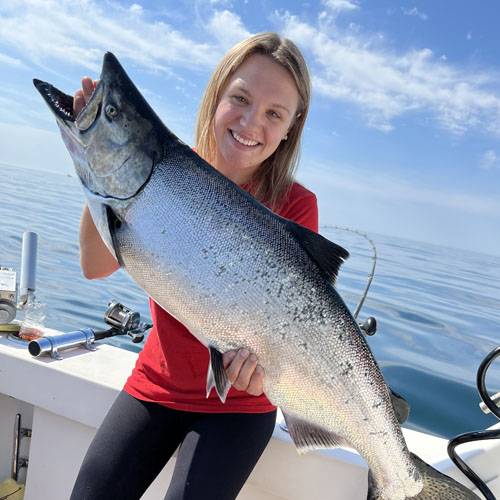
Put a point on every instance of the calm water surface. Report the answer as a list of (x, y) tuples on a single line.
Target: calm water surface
[(437, 308)]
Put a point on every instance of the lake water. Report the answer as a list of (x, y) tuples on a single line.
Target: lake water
[(438, 309)]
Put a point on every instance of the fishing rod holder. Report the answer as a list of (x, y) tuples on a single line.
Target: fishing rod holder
[(51, 345), (9, 302), (123, 321)]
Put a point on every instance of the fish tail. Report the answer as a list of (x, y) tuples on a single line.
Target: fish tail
[(435, 486)]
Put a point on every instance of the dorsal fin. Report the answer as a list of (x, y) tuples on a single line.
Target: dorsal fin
[(328, 255)]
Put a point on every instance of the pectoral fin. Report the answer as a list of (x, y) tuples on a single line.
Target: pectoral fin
[(307, 436), (216, 376), (400, 405)]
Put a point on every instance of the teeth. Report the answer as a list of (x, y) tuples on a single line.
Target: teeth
[(243, 141)]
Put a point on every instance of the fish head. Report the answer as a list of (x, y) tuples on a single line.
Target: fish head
[(116, 139)]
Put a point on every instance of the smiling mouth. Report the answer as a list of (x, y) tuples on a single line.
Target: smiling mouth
[(243, 141)]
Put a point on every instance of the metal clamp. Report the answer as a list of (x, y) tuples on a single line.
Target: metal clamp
[(17, 461)]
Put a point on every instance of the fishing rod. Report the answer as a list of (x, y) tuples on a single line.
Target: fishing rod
[(490, 404)]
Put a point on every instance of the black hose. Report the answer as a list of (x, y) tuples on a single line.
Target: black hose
[(481, 381), (478, 435), (469, 437)]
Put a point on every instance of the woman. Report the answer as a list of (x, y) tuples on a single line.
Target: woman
[(249, 127)]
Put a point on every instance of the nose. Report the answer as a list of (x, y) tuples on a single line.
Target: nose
[(250, 118)]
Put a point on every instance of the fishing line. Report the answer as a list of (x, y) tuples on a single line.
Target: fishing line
[(469, 437), (374, 263)]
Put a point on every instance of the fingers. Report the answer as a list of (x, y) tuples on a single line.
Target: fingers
[(78, 102), (256, 384), (243, 372), (228, 357), (83, 95), (88, 88)]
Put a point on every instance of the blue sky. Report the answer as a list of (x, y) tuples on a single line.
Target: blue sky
[(404, 132)]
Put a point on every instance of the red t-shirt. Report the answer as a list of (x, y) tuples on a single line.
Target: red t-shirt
[(172, 368)]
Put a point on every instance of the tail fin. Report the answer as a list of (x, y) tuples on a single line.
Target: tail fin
[(437, 486)]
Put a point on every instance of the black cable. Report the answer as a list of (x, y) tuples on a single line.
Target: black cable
[(478, 435)]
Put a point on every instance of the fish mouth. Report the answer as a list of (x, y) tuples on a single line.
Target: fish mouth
[(61, 105)]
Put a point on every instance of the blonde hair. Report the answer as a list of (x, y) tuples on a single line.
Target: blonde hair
[(275, 176)]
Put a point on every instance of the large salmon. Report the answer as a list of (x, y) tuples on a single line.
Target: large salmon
[(237, 275)]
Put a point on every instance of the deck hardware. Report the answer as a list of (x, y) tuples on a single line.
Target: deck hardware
[(369, 326), (19, 433), (8, 293), (469, 437), (495, 399), (28, 269)]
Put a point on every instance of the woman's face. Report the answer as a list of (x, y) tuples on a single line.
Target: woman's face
[(253, 116)]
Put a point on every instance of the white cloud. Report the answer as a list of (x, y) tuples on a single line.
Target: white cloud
[(374, 201), (227, 28), (66, 35), (136, 8), (341, 5), (11, 61), (489, 160), (394, 190), (386, 85), (414, 12)]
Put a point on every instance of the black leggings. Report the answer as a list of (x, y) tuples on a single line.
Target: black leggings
[(217, 452)]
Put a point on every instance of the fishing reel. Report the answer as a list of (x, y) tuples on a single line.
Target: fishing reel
[(125, 321), (369, 326)]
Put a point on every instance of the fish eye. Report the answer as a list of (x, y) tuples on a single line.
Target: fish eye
[(111, 111)]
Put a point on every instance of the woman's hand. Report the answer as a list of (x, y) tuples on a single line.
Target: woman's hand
[(82, 96), (243, 371)]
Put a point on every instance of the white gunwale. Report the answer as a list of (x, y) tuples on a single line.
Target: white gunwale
[(68, 399)]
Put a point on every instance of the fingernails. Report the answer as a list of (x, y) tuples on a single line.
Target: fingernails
[(253, 358), (244, 353)]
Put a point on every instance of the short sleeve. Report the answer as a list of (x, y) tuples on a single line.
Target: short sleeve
[(301, 206)]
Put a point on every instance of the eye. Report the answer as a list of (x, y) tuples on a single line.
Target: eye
[(240, 99), (111, 111), (273, 114)]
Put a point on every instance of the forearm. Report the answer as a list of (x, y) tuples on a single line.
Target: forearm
[(96, 260)]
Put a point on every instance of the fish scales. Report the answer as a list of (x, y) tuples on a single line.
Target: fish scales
[(241, 279)]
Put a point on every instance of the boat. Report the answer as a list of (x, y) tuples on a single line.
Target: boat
[(51, 406)]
